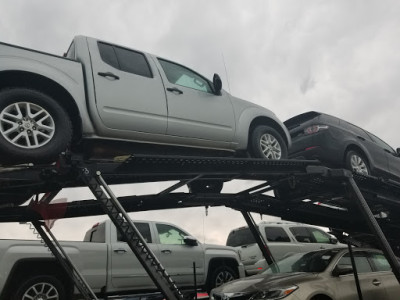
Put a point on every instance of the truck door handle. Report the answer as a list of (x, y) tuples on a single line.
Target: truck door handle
[(108, 74), (120, 251), (167, 251), (175, 90), (376, 282)]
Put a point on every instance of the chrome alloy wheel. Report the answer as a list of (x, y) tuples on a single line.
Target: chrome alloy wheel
[(26, 125), (358, 165), (222, 277), (41, 291), (270, 146)]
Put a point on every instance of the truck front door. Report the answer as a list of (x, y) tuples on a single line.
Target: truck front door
[(129, 92)]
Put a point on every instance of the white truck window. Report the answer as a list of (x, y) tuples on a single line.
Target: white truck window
[(170, 235), (144, 230)]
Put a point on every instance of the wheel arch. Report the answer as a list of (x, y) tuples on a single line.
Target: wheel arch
[(359, 149), (320, 297), (23, 79), (36, 266), (222, 261)]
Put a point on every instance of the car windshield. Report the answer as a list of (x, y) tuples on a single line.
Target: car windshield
[(311, 262)]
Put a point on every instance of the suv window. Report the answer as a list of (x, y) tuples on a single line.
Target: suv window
[(144, 229), (170, 235), (381, 143), (276, 234), (361, 262), (301, 234), (380, 262), (240, 237), (320, 236), (125, 60), (183, 76)]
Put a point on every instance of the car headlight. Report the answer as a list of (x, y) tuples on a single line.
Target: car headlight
[(274, 294)]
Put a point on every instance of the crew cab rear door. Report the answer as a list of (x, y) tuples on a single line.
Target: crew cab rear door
[(194, 111), (129, 90)]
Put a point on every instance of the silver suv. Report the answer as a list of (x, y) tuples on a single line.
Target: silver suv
[(282, 238)]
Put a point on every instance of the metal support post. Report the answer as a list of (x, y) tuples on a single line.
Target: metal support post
[(132, 236), (260, 241), (64, 260), (375, 229), (355, 273)]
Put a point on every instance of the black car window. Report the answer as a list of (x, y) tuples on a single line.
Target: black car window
[(360, 260), (381, 143), (276, 234), (240, 237), (301, 234), (380, 262), (144, 229), (183, 76)]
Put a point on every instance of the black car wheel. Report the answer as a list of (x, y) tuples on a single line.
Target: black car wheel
[(357, 163), (267, 143), (40, 287), (221, 275), (33, 127)]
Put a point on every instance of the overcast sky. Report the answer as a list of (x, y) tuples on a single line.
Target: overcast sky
[(338, 57)]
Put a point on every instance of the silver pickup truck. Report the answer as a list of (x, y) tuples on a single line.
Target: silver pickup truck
[(104, 92), (109, 266)]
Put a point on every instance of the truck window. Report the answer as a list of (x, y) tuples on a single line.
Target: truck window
[(240, 237), (182, 76), (71, 51), (170, 235), (108, 55), (144, 230), (276, 234), (98, 235), (133, 62)]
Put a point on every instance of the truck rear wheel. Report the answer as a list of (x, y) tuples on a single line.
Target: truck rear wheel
[(34, 128), (40, 287), (219, 276)]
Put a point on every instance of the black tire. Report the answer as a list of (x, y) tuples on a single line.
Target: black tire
[(219, 276), (256, 149), (53, 133), (205, 186), (52, 286), (353, 158)]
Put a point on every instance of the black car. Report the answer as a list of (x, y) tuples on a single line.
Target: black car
[(337, 143)]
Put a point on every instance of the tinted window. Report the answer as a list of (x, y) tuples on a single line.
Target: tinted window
[(319, 235), (301, 234), (354, 129), (380, 262), (170, 235), (240, 237), (182, 76), (381, 143), (108, 55), (144, 230), (276, 234), (361, 262), (133, 62)]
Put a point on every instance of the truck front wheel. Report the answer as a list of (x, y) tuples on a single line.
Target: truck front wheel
[(40, 287), (219, 276), (34, 128)]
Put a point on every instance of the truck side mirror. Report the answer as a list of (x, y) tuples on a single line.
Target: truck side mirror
[(190, 241), (217, 83)]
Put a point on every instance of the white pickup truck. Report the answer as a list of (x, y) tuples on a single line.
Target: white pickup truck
[(109, 266)]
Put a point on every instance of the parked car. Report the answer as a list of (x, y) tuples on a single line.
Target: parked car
[(28, 271), (338, 143), (102, 91), (282, 238), (318, 275)]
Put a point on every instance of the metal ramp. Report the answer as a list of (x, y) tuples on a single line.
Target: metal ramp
[(304, 192)]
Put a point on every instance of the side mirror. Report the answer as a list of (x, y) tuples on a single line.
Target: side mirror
[(190, 241), (217, 83), (398, 151), (333, 240), (338, 271)]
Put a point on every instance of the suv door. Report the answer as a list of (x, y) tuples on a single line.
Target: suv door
[(129, 93), (193, 109), (177, 257)]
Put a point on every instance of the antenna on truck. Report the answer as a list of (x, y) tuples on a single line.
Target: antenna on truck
[(226, 72)]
